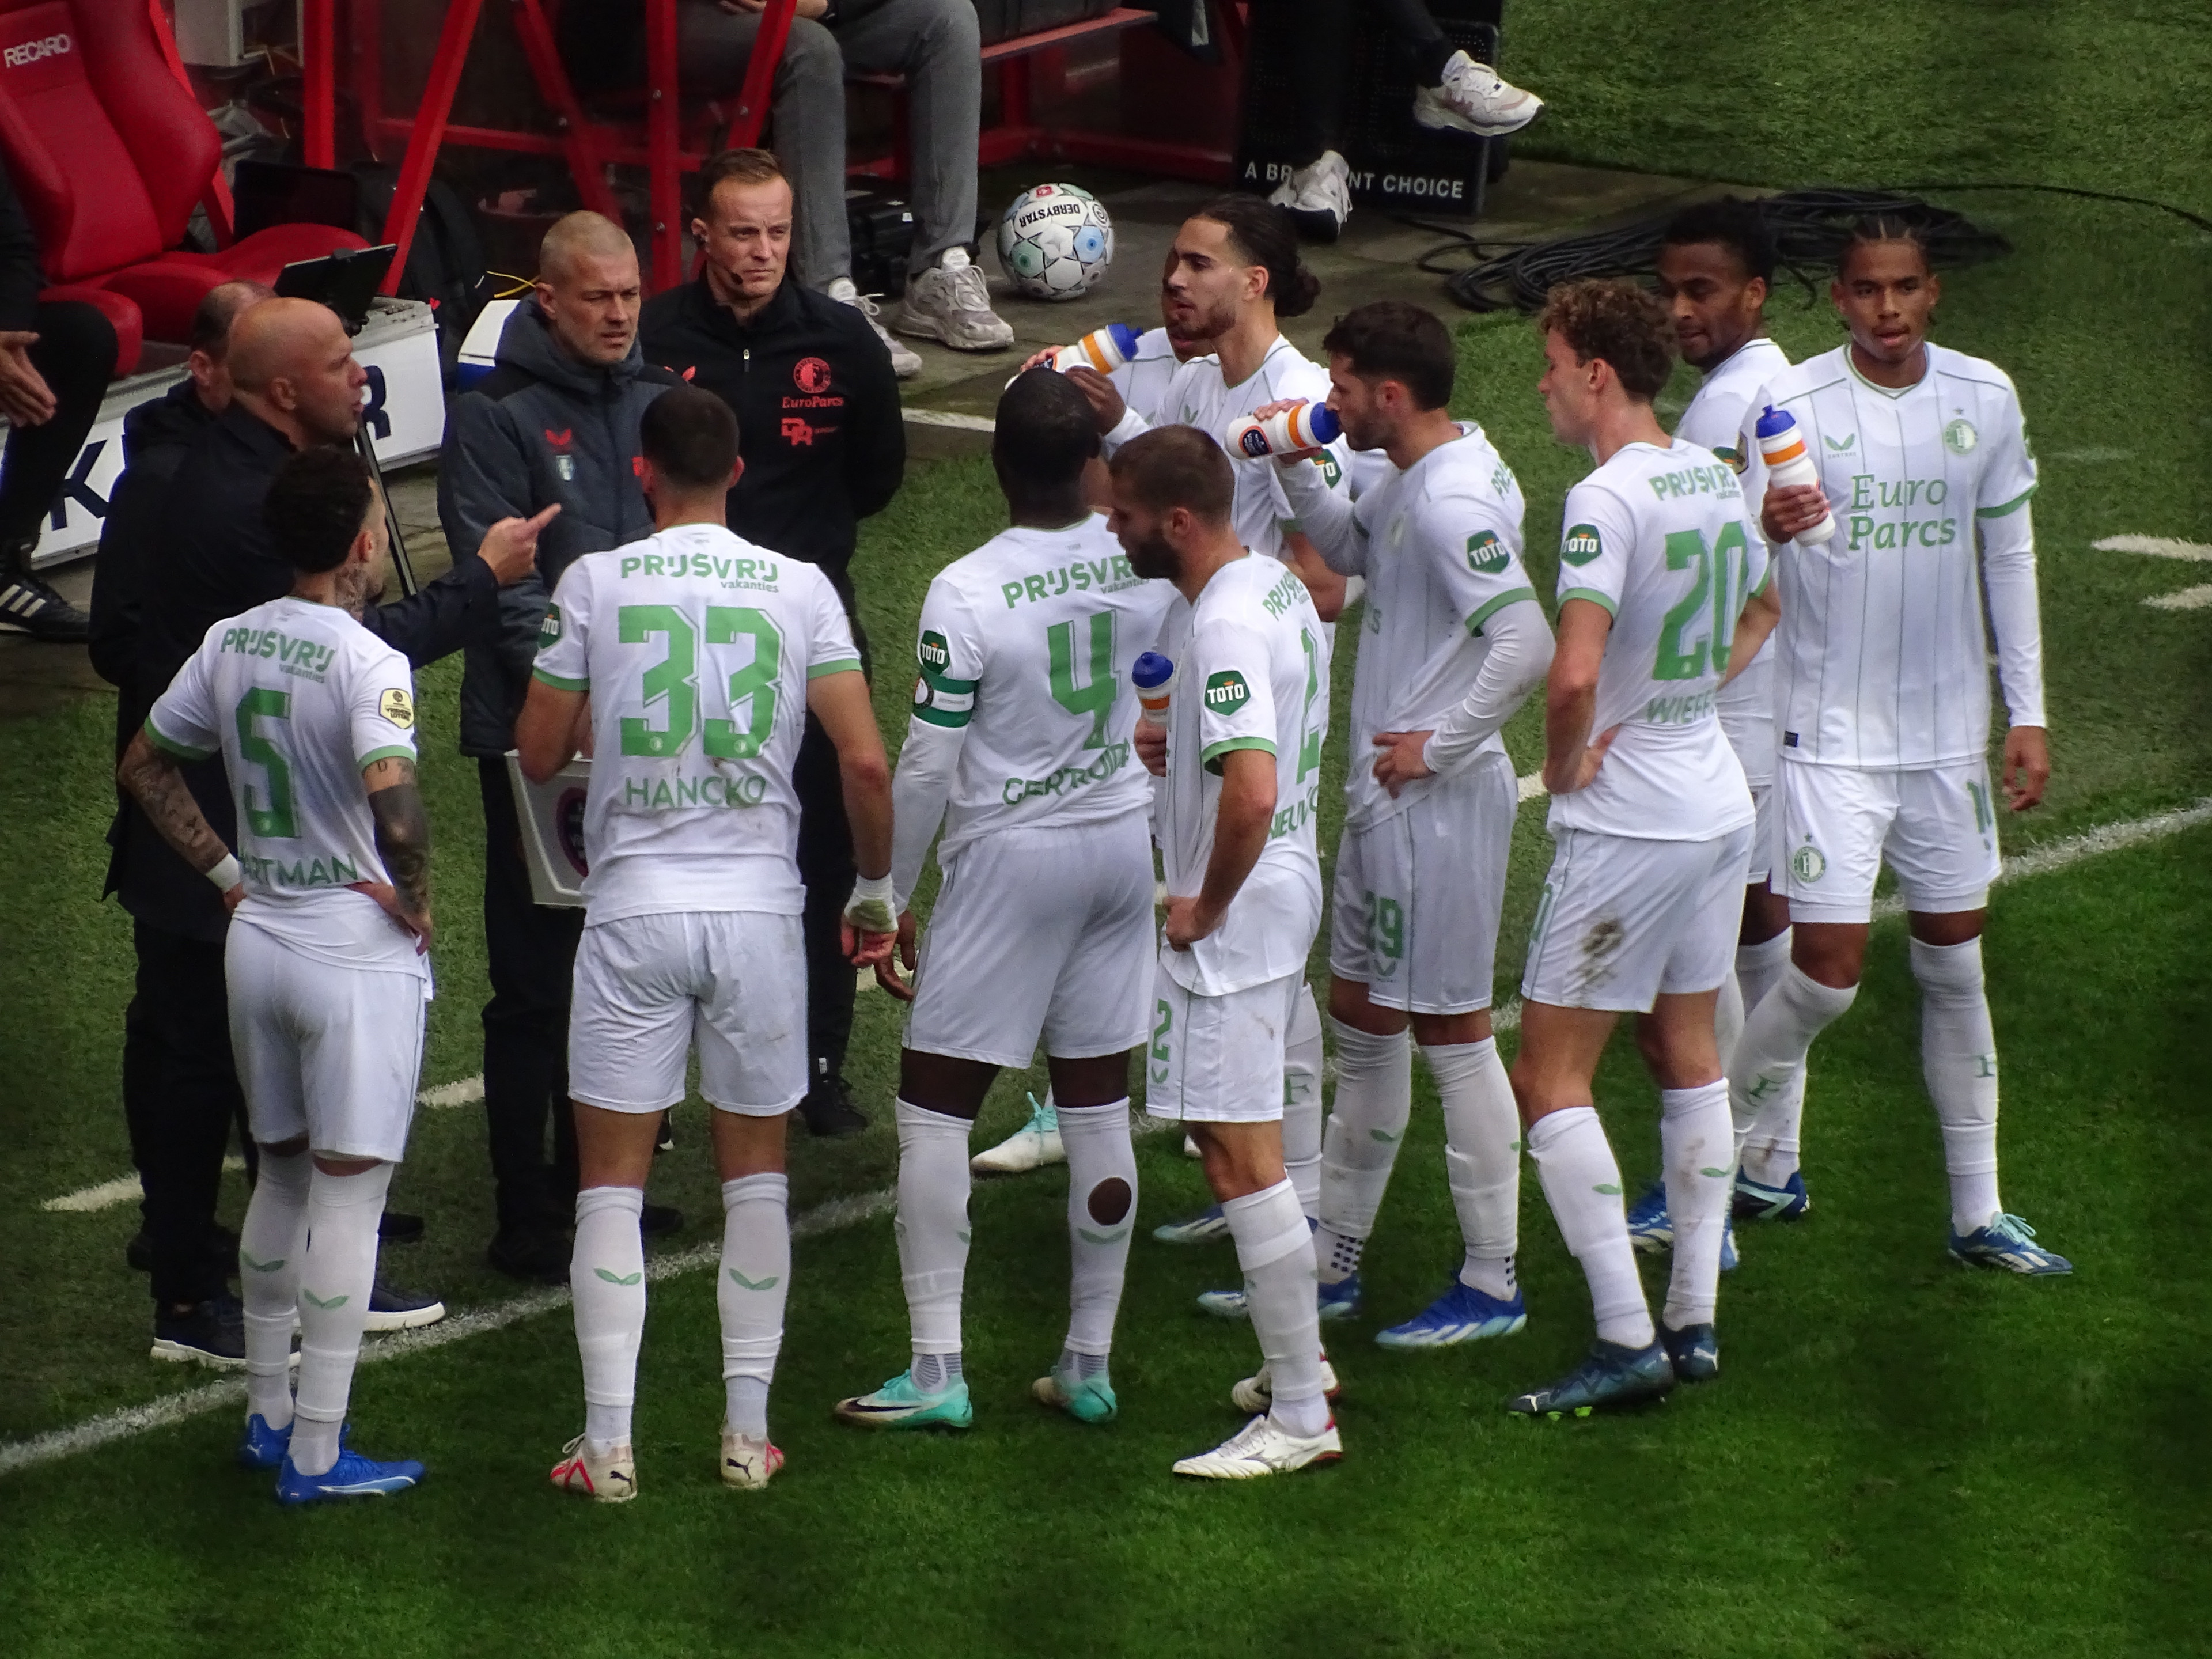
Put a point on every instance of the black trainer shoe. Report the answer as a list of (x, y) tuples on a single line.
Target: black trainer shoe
[(829, 1112), (397, 1227), (539, 1255), (211, 1333), (391, 1308), (659, 1220), (666, 1141), (28, 605)]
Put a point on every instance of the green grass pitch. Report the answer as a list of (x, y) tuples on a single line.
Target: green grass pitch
[(1901, 1459)]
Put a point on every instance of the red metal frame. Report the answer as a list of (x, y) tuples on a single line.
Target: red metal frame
[(1028, 67)]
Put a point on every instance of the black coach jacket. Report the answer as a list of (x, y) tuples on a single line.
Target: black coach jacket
[(214, 559), (542, 427), (819, 418)]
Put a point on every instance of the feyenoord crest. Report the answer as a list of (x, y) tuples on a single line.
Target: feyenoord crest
[(1960, 436), (1806, 863)]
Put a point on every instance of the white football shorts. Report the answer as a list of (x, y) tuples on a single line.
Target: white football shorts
[(1218, 1059), (648, 987), (1624, 921), (1041, 933), (1418, 897), (1935, 826), (330, 1053), (1762, 831)]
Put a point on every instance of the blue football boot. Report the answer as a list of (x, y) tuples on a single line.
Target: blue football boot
[(1461, 1314), (1648, 1228), (1695, 1351), (2009, 1242), (1338, 1301), (1755, 1200), (1208, 1224), (352, 1476), (1612, 1375)]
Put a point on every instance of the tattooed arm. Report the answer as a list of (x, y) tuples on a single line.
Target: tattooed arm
[(156, 783), (403, 841)]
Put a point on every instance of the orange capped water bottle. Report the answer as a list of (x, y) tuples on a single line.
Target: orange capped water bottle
[(1307, 426), (1155, 679), (1103, 348), (1782, 449)]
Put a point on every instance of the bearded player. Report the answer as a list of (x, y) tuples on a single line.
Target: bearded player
[(1043, 930), (689, 662), (1884, 707), (1453, 642)]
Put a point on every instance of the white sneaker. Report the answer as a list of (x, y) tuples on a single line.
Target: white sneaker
[(1032, 1146), (1257, 1393), (950, 302), (1319, 197), (747, 1462), (1473, 99), (609, 1479), (905, 363), (1262, 1448)]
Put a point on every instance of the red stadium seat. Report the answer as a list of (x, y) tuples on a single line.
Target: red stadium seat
[(110, 153)]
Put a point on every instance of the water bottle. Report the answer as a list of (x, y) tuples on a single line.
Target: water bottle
[(1103, 348), (1154, 677), (1788, 464), (1307, 426)]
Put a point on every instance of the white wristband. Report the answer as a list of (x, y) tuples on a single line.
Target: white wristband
[(226, 874), (871, 907)]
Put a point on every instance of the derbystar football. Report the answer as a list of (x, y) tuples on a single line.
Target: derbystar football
[(1055, 241)]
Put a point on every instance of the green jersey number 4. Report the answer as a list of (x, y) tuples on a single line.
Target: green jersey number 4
[(1101, 686)]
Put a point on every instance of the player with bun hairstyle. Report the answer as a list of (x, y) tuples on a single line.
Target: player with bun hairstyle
[(1233, 272), (1883, 661)]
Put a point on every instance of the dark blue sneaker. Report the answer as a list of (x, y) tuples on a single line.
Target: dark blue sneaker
[(263, 1448), (352, 1476), (1757, 1201), (1208, 1224), (2009, 1242), (1694, 1350), (1461, 1314), (1648, 1228), (1612, 1375)]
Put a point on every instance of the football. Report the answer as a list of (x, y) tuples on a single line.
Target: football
[(1055, 241)]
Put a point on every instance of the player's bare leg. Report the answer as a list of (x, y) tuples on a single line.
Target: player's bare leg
[(1552, 1078)]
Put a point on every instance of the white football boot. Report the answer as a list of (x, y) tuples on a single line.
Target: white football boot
[(951, 304), (1257, 1393), (748, 1463), (906, 361), (609, 1480), (1262, 1447), (1318, 196), (1032, 1146), (1473, 99)]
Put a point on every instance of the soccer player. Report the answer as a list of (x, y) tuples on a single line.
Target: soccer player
[(1716, 268), (688, 663), (1453, 643), (1019, 746), (330, 898), (1652, 826), (1884, 707), (1240, 755)]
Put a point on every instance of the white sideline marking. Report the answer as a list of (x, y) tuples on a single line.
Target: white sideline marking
[(2162, 547), (2186, 598), (108, 1193), (466, 1093), (947, 417), (110, 1427)]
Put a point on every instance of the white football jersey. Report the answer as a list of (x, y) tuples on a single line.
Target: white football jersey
[(298, 698), (1720, 418), (1659, 538), (1440, 546), (698, 647), (1026, 644), (1251, 672), (1884, 659), (1199, 397), (1143, 381)]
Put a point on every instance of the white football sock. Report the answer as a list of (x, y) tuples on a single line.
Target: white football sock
[(1728, 1018), (1301, 1108), (336, 1276), (272, 1241), (1374, 1101), (932, 1227), (1482, 1158), (1959, 1059), (606, 1278), (1275, 1249), (1770, 1148), (749, 1293), (1696, 1139), (1769, 1063), (1102, 1211), (1758, 970), (1581, 1183)]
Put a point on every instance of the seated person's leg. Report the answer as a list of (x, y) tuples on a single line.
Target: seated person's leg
[(72, 358)]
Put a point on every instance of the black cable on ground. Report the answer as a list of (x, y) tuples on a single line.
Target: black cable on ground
[(1810, 228)]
